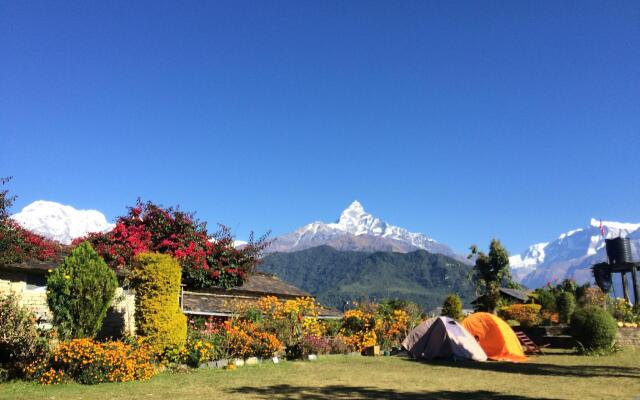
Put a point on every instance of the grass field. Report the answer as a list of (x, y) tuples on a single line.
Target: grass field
[(554, 376)]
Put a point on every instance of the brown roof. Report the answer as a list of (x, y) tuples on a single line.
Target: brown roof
[(32, 266), (261, 284)]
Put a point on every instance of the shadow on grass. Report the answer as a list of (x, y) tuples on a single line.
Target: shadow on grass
[(533, 368), (358, 393)]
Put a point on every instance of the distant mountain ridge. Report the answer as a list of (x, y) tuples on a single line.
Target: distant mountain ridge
[(572, 254), (336, 276), (358, 230)]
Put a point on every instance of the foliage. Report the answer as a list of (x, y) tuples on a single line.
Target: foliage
[(594, 329), (79, 293), (546, 298), (314, 345), (391, 328), (88, 362), (18, 244), (592, 296), (246, 339), (358, 329), (206, 260), (623, 311), (339, 278), (20, 341), (452, 307), (527, 315), (156, 279), (566, 305), (290, 320), (490, 273)]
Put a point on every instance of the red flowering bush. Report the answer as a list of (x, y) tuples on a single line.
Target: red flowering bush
[(18, 244), (206, 260)]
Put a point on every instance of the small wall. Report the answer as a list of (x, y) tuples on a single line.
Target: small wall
[(629, 337), (119, 321)]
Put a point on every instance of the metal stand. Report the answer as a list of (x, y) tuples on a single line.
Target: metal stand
[(636, 290), (625, 286)]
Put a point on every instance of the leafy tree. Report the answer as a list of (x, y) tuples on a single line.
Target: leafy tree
[(16, 243), (206, 259), (79, 293), (566, 305), (452, 307), (490, 273)]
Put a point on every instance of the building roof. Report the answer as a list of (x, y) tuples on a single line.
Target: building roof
[(31, 266), (260, 284), (522, 295)]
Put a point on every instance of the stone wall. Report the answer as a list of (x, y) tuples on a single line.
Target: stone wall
[(119, 321), (629, 337)]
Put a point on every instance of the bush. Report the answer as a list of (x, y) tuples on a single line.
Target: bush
[(594, 329), (88, 362), (20, 342), (527, 315), (315, 345), (156, 278), (245, 339), (566, 305), (547, 299), (452, 307), (622, 311), (79, 293)]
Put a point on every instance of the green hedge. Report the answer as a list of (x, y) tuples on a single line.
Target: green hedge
[(156, 279), (594, 329)]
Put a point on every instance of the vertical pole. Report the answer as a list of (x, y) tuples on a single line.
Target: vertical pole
[(625, 286), (636, 289)]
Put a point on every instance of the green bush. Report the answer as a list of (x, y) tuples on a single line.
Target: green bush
[(80, 292), (594, 329), (452, 307), (546, 299), (156, 279), (566, 305), (20, 342)]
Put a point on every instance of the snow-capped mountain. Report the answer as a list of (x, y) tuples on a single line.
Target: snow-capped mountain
[(571, 254), (60, 222), (357, 230)]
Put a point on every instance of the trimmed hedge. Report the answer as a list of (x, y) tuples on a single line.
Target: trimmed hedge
[(80, 292), (156, 279), (594, 329), (566, 306), (452, 307)]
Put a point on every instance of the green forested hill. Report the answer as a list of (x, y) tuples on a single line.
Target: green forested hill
[(335, 276)]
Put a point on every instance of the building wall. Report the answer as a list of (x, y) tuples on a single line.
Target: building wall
[(629, 337), (120, 319)]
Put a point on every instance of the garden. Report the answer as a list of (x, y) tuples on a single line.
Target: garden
[(273, 348)]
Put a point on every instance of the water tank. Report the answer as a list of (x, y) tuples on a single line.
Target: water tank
[(618, 250)]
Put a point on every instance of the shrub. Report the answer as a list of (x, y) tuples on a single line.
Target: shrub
[(315, 345), (79, 293), (245, 339), (20, 342), (622, 311), (452, 307), (547, 299), (527, 315), (594, 329), (358, 329), (566, 305), (339, 345), (156, 278), (88, 362), (391, 328)]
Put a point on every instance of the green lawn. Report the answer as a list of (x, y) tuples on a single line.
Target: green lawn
[(554, 376)]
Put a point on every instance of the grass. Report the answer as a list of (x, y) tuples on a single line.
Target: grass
[(553, 376)]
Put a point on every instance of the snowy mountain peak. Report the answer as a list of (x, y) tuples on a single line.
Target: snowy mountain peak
[(356, 229), (60, 222)]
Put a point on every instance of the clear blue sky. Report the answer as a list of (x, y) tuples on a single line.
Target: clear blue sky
[(462, 120)]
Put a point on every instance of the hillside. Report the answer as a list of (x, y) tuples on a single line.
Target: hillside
[(335, 276)]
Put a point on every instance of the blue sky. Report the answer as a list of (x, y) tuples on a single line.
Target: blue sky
[(462, 120)]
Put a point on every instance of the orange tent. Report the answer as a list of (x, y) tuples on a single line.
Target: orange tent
[(495, 336)]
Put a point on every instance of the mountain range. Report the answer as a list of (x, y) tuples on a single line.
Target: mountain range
[(568, 256), (336, 276)]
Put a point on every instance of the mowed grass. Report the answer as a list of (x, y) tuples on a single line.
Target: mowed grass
[(553, 376)]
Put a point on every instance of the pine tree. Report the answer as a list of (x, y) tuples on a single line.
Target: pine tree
[(80, 292)]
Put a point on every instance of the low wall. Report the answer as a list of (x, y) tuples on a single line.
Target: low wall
[(119, 321), (629, 337)]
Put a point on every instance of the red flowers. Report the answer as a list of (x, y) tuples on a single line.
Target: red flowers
[(206, 260)]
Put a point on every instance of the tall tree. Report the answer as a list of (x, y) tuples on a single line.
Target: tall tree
[(490, 273)]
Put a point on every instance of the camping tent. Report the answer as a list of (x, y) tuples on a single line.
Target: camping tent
[(442, 337), (495, 336)]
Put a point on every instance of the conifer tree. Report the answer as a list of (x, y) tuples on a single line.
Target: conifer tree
[(80, 292)]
